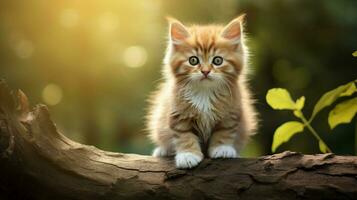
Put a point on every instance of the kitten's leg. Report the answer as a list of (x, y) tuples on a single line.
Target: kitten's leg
[(222, 144), (163, 151), (163, 138), (188, 150)]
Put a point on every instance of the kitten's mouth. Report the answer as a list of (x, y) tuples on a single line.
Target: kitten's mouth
[(205, 78)]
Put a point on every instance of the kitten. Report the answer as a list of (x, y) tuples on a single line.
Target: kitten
[(203, 106)]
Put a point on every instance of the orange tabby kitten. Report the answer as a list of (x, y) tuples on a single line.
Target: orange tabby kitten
[(203, 106)]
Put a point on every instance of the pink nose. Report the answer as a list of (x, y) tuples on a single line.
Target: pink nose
[(205, 73)]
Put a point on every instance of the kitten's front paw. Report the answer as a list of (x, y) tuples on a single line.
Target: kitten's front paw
[(223, 151), (186, 160), (161, 152)]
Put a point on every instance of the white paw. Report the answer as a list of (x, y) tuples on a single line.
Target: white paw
[(186, 160), (161, 152), (223, 151)]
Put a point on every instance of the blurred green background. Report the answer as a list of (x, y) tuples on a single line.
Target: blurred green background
[(94, 63)]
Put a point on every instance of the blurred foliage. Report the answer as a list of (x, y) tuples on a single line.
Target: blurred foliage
[(95, 62), (280, 99)]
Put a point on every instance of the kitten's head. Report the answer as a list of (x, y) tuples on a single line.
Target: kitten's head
[(205, 55)]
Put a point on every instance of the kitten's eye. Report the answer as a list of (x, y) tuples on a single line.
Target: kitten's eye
[(217, 60), (193, 60)]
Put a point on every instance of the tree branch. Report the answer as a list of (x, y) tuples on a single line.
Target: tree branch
[(38, 162)]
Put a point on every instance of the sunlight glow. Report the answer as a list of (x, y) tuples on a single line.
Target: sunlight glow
[(52, 94)]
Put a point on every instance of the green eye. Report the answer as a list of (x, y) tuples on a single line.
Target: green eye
[(217, 60), (193, 60)]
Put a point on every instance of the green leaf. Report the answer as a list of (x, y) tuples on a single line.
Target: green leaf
[(298, 113), (349, 91), (343, 113), (300, 103), (331, 96), (284, 132), (354, 54), (323, 147), (279, 99)]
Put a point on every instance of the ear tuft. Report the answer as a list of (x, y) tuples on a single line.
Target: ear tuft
[(233, 30), (178, 32)]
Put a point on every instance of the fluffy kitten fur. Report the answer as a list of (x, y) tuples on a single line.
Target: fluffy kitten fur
[(193, 114)]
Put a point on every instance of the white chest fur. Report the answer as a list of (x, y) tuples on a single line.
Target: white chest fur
[(203, 99)]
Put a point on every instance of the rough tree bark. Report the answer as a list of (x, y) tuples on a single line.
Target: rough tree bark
[(38, 162)]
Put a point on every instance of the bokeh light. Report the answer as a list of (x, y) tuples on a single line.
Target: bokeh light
[(23, 48), (69, 18), (107, 22), (135, 56), (52, 94)]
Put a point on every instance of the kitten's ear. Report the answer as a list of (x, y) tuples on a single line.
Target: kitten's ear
[(178, 32), (233, 31)]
